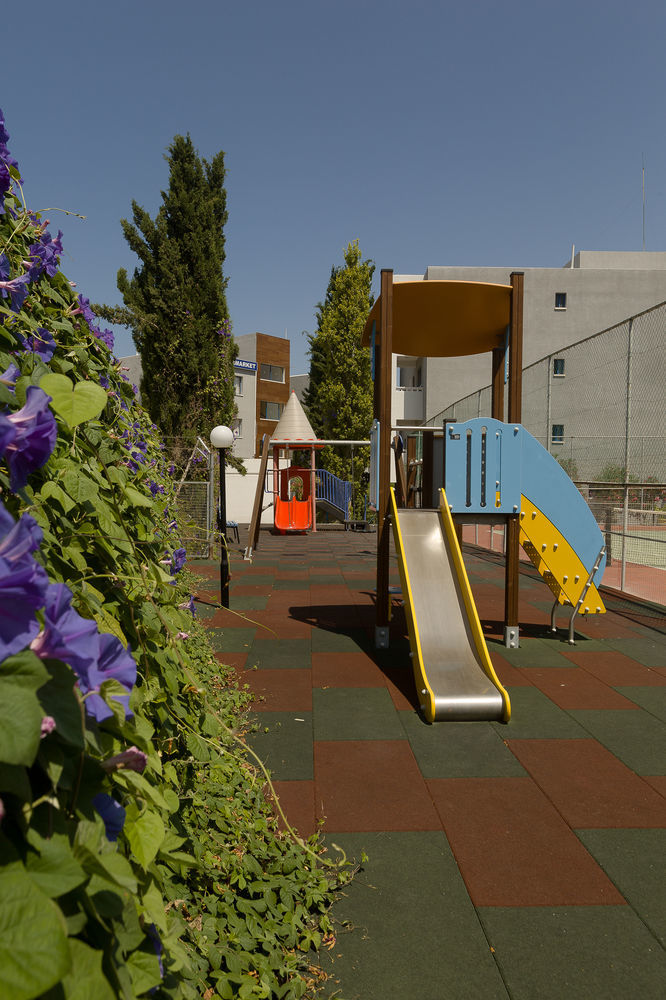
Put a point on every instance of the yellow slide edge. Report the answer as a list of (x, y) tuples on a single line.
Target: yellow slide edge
[(470, 606), (422, 683)]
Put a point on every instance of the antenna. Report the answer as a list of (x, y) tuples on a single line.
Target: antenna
[(643, 157)]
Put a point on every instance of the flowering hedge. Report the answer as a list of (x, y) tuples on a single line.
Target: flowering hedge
[(138, 855)]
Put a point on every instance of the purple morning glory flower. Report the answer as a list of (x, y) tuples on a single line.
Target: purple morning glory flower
[(23, 582), (132, 759), (114, 662), (42, 343), (16, 288), (10, 375), (27, 436), (178, 560), (111, 812), (66, 635), (157, 945)]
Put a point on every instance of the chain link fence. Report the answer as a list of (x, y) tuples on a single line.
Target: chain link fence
[(598, 408), (191, 468)]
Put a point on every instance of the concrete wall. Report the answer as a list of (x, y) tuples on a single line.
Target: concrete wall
[(241, 491)]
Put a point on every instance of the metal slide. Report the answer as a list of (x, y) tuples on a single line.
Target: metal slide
[(454, 675)]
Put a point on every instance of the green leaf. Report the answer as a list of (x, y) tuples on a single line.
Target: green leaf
[(20, 723), (54, 869), (136, 499), (145, 833), (74, 403), (145, 971), (86, 979), (59, 700), (79, 486), (51, 491), (33, 940)]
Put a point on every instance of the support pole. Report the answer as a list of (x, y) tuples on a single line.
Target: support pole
[(383, 414), (224, 552), (313, 489), (512, 564)]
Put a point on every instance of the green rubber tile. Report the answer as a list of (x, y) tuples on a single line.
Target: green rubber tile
[(268, 654), (534, 716), (204, 611), (405, 926), (253, 580), (284, 744), (248, 602), (232, 640), (326, 579), (286, 584), (350, 641), (581, 953), (634, 860), (533, 652), (636, 738), (459, 749), (355, 714), (652, 699), (649, 650)]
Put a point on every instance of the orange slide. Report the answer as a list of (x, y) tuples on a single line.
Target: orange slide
[(293, 515)]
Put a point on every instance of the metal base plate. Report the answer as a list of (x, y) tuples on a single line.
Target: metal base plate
[(511, 636), (381, 637)]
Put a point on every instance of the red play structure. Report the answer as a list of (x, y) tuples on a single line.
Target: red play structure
[(293, 505)]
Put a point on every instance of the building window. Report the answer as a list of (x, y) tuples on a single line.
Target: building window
[(238, 385), (557, 434), (237, 427), (271, 373), (270, 411), (558, 367), (560, 300)]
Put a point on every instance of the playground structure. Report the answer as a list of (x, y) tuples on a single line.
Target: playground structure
[(298, 491), (482, 471)]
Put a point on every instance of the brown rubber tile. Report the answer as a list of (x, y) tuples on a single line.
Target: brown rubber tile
[(252, 590), (279, 625), (616, 669), (658, 782), (588, 785), (571, 687), (370, 785), (513, 848), (281, 692), (508, 674), (297, 803), (345, 670)]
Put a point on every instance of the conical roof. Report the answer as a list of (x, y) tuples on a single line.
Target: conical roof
[(293, 425)]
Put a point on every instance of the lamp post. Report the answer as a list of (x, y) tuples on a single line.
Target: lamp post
[(222, 437)]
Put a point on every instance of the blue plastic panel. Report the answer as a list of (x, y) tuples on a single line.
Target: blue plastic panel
[(483, 467)]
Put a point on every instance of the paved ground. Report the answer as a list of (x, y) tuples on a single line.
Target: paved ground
[(522, 860)]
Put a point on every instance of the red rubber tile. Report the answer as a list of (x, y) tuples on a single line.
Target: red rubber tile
[(508, 674), (252, 589), (345, 670), (588, 785), (235, 660), (297, 803), (282, 690), (571, 687), (658, 782), (616, 669), (513, 848), (370, 785), (279, 625)]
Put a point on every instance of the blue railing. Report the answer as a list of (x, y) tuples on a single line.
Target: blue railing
[(337, 492)]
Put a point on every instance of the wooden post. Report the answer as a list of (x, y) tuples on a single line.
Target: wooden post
[(383, 414), (499, 364), (512, 567)]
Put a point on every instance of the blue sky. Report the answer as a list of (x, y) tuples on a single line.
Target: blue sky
[(433, 132)]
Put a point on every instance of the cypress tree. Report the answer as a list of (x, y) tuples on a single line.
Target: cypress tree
[(338, 399), (175, 302)]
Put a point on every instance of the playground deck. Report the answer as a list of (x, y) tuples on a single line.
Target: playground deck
[(522, 860)]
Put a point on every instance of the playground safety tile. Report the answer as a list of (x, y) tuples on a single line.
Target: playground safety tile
[(324, 577), (363, 785), (284, 743), (232, 639), (649, 651), (588, 785), (652, 699), (535, 716), (355, 714), (280, 625), (508, 675), (415, 931), (617, 669), (239, 591), (656, 781), (531, 652), (571, 687), (271, 654), (513, 848), (634, 860), (399, 678), (296, 584), (277, 691), (459, 750), (637, 738), (579, 953), (351, 640), (345, 670), (297, 802), (235, 660), (252, 579), (247, 602)]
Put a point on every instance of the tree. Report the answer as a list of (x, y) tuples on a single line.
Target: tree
[(175, 303), (338, 399)]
